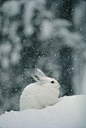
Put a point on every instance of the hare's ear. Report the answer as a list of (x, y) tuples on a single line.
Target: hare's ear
[(39, 73), (35, 77)]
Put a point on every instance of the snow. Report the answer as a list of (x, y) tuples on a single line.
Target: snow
[(17, 45), (79, 13), (79, 18), (62, 23), (47, 28), (11, 8), (69, 112), (29, 7), (84, 80), (59, 28), (5, 49)]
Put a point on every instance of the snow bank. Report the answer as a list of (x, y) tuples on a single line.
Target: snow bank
[(70, 112)]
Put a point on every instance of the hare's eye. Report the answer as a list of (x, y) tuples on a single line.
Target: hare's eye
[(52, 81)]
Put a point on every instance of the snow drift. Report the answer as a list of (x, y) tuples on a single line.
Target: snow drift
[(69, 112)]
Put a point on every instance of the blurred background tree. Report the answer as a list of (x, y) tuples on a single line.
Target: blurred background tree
[(44, 34)]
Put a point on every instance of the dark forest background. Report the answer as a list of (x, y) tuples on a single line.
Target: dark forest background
[(45, 34)]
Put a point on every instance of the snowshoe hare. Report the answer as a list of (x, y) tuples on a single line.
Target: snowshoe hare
[(44, 92)]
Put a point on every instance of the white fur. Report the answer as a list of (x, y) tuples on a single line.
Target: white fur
[(40, 94)]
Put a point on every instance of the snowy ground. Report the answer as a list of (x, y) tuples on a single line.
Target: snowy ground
[(69, 112)]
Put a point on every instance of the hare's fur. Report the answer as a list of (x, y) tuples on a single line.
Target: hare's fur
[(40, 94)]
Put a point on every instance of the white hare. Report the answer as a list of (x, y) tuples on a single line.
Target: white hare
[(44, 92)]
